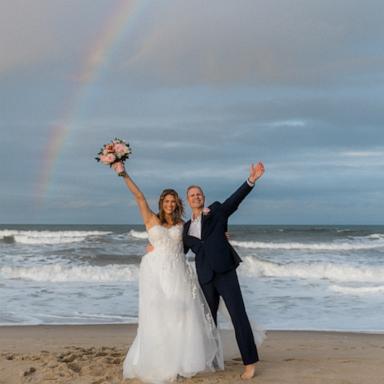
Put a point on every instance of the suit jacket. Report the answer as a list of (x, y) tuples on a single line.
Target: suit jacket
[(213, 252)]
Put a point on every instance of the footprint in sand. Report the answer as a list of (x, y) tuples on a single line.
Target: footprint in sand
[(74, 367), (29, 371)]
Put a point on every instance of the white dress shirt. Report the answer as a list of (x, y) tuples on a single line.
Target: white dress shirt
[(195, 227)]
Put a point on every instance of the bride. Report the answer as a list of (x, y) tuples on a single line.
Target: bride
[(176, 334)]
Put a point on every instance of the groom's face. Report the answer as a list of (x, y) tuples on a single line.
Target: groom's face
[(196, 198)]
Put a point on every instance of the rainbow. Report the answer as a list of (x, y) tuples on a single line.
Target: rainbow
[(97, 59)]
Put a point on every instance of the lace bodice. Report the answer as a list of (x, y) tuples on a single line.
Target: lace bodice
[(169, 239)]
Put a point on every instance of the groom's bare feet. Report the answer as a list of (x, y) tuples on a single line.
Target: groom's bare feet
[(249, 371)]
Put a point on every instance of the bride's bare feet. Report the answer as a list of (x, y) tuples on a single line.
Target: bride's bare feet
[(249, 372)]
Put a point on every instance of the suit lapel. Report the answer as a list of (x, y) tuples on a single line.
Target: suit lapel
[(203, 224), (186, 227)]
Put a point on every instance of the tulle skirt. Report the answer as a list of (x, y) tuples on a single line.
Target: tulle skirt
[(176, 334)]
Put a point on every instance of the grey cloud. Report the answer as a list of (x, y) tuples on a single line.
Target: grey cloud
[(260, 42), (34, 32)]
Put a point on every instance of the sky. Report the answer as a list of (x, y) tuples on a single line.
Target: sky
[(200, 89)]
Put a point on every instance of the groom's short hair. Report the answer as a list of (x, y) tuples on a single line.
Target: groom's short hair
[(195, 186)]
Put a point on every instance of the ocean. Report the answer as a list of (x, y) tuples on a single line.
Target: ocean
[(292, 277)]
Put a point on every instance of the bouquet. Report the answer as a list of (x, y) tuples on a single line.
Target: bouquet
[(117, 151)]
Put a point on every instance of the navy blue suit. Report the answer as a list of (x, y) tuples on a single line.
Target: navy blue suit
[(216, 263)]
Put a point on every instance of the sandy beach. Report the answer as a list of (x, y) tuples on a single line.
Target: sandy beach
[(93, 354)]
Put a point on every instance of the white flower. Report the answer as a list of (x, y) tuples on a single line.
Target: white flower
[(206, 211)]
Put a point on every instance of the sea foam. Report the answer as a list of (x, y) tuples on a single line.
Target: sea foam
[(357, 291), (252, 266), (63, 273), (374, 241), (47, 237), (138, 234)]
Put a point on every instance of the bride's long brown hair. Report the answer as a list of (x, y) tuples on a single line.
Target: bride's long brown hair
[(177, 215)]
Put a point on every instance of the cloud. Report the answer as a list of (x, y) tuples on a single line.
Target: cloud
[(364, 154), (33, 33), (259, 42)]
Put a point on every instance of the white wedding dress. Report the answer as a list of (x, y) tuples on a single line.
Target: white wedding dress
[(176, 333)]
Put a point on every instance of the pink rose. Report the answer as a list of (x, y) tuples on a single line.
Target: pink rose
[(110, 148), (121, 149), (108, 159), (118, 167), (103, 159)]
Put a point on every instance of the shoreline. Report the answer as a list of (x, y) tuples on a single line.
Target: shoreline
[(331, 330), (93, 354)]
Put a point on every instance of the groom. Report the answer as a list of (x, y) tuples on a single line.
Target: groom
[(216, 261)]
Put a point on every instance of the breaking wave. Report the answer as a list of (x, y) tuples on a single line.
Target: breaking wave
[(138, 234), (334, 272), (63, 273), (356, 243), (47, 237)]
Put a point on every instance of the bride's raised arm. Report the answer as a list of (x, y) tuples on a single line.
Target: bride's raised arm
[(148, 216)]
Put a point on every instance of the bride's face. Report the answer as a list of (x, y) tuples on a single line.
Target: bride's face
[(169, 204)]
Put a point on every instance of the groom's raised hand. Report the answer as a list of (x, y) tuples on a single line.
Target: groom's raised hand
[(256, 171)]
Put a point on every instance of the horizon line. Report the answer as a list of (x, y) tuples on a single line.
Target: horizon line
[(137, 224)]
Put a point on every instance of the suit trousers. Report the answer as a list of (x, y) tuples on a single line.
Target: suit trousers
[(227, 286)]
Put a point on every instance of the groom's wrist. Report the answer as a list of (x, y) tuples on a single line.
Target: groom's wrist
[(250, 182)]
